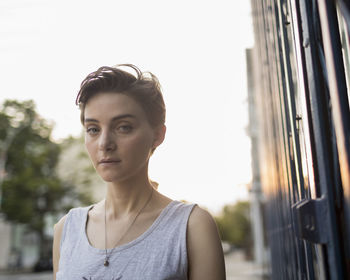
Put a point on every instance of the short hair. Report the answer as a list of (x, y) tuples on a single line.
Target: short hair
[(143, 87)]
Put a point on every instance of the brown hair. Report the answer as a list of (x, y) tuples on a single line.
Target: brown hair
[(144, 89)]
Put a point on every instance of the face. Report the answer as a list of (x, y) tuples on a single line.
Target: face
[(118, 136)]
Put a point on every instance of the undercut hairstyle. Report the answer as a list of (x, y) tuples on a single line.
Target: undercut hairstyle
[(143, 87)]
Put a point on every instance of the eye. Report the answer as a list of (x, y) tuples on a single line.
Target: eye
[(124, 128), (92, 130)]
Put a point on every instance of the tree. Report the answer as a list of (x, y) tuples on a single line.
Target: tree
[(30, 187), (234, 224), (76, 168)]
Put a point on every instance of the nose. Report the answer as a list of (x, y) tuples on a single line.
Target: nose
[(107, 141)]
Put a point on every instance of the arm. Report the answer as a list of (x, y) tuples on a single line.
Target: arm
[(58, 228), (205, 255)]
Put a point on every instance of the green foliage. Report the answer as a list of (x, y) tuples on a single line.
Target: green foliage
[(30, 189), (234, 224)]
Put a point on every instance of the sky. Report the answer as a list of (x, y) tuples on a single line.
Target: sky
[(195, 48)]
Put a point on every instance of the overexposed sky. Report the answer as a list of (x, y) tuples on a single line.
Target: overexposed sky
[(195, 48)]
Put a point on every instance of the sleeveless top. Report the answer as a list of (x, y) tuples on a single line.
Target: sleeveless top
[(159, 253)]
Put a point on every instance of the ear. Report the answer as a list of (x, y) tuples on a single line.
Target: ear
[(159, 135)]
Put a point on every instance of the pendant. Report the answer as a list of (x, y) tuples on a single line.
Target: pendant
[(106, 263)]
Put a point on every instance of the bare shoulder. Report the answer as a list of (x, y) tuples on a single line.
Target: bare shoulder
[(58, 229), (205, 255), (201, 228), (200, 217)]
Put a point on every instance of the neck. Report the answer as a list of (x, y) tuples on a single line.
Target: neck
[(124, 198)]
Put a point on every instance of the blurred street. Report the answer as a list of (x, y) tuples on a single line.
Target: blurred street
[(236, 269), (27, 276)]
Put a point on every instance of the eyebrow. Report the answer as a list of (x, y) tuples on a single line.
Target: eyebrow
[(113, 119)]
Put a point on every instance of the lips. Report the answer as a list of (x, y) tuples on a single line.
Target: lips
[(106, 161)]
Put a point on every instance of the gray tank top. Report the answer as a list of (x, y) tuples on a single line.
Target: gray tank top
[(159, 253)]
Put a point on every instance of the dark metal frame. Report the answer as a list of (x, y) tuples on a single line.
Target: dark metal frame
[(305, 136)]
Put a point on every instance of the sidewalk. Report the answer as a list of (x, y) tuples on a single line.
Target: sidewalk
[(27, 276), (237, 268)]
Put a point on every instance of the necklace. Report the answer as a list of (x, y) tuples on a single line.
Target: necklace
[(106, 261)]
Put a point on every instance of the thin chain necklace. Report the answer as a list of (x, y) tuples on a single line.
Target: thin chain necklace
[(107, 256)]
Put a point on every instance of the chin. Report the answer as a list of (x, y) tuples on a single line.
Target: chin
[(120, 175), (113, 177), (110, 179)]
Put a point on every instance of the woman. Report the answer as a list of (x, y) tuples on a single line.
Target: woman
[(135, 232)]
